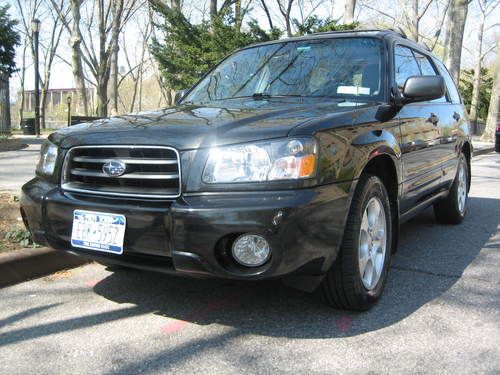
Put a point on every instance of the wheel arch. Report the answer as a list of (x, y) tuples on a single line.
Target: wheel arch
[(383, 165), (467, 151)]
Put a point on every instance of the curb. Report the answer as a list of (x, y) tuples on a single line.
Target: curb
[(21, 265), (483, 151)]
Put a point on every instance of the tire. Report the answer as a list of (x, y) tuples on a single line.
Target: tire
[(453, 208), (345, 285)]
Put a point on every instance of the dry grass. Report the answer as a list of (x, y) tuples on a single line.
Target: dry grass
[(10, 219)]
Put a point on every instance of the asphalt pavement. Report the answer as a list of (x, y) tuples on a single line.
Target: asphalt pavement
[(440, 313)]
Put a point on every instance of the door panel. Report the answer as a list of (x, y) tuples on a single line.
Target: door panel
[(421, 154)]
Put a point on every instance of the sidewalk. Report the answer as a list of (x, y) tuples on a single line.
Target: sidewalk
[(481, 147), (18, 167)]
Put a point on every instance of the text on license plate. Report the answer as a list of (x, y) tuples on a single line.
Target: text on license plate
[(98, 231)]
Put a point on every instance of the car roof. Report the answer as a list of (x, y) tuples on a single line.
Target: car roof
[(391, 34)]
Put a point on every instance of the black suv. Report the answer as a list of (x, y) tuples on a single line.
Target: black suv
[(296, 158)]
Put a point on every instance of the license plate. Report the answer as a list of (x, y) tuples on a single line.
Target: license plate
[(98, 231)]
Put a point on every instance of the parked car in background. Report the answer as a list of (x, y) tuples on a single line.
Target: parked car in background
[(296, 159)]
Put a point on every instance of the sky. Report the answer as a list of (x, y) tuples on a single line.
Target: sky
[(62, 75)]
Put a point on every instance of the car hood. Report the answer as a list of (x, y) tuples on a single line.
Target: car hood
[(190, 127)]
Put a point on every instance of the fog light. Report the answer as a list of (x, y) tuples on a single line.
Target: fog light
[(251, 250)]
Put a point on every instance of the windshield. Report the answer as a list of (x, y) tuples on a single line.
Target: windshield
[(348, 68)]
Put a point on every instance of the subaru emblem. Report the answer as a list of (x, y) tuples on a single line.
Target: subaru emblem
[(114, 168)]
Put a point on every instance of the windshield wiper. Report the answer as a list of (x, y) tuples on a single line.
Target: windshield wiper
[(260, 96)]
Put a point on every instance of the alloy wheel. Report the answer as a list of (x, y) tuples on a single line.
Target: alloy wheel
[(372, 243)]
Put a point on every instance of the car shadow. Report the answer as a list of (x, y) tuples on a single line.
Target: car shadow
[(430, 260)]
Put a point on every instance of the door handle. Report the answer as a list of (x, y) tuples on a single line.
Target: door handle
[(433, 119), (456, 116)]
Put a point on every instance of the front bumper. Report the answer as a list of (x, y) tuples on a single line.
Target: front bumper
[(193, 234)]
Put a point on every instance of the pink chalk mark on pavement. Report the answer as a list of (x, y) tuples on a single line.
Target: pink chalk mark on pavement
[(174, 326), (177, 325), (344, 323), (91, 283)]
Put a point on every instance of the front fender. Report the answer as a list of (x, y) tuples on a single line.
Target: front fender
[(345, 152)]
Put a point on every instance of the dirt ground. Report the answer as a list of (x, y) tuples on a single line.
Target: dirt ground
[(10, 219), (11, 144)]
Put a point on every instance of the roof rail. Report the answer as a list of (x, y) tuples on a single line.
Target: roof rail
[(398, 30)]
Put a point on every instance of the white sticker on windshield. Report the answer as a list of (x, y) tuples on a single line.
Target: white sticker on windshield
[(353, 90)]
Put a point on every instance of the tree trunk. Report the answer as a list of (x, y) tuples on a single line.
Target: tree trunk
[(476, 83), (456, 25), (268, 14), (4, 104), (76, 57), (414, 20), (113, 87), (350, 6), (22, 79), (43, 101), (103, 67), (238, 16), (492, 121), (116, 10), (288, 20), (213, 10), (102, 96)]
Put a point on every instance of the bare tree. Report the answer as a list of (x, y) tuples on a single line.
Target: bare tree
[(350, 6), (215, 11), (112, 15), (27, 11), (485, 9), (117, 11), (268, 13), (22, 77), (285, 8), (49, 42), (71, 21), (410, 14), (76, 56), (492, 120), (457, 16), (50, 51)]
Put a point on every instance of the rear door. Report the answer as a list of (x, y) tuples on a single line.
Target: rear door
[(444, 114), (420, 137), (453, 127)]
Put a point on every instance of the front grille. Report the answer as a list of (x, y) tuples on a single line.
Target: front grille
[(151, 171)]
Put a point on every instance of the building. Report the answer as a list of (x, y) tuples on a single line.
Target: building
[(56, 100)]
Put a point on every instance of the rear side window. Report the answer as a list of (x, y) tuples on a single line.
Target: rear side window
[(451, 89), (428, 70), (425, 65), (405, 65)]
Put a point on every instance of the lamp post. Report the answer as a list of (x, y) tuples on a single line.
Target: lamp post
[(35, 27), (68, 100)]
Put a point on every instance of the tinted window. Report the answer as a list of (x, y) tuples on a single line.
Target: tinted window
[(338, 67), (451, 89), (405, 65), (427, 70)]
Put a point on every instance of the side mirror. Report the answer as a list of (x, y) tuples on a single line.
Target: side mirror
[(179, 95), (423, 88)]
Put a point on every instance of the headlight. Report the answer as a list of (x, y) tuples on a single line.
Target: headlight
[(267, 161), (47, 161)]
